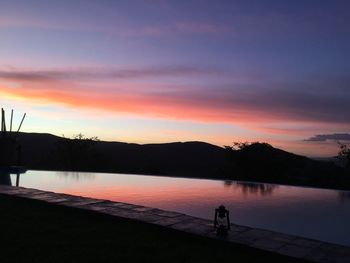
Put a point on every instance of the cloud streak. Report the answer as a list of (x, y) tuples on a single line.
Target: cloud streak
[(329, 137), (200, 103), (132, 73), (202, 27), (121, 28)]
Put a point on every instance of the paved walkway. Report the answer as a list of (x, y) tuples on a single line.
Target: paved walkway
[(302, 248)]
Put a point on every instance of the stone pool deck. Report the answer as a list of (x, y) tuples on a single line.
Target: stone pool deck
[(297, 247)]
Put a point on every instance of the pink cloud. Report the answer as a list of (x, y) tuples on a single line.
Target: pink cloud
[(107, 90)]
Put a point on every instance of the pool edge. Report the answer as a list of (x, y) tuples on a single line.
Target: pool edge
[(284, 244)]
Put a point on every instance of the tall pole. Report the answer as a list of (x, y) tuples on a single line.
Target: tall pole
[(2, 119), (21, 123), (17, 179), (11, 121)]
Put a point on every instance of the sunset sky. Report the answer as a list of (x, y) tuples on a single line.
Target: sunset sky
[(163, 71)]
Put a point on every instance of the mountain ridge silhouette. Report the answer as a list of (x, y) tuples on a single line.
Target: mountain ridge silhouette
[(255, 162)]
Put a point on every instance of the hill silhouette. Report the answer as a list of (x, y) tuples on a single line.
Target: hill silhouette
[(42, 151), (262, 162), (255, 162)]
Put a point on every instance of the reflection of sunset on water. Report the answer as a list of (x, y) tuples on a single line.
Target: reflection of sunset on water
[(294, 210)]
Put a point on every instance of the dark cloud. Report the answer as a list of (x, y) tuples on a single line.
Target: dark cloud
[(290, 104), (81, 74), (325, 137)]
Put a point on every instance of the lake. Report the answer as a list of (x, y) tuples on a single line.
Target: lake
[(321, 214)]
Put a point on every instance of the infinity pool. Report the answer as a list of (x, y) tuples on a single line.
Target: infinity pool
[(310, 212)]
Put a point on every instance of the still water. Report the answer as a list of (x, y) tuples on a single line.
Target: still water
[(310, 212)]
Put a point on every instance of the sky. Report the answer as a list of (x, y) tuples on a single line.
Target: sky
[(162, 71)]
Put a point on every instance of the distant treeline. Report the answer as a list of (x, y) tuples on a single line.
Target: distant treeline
[(252, 162)]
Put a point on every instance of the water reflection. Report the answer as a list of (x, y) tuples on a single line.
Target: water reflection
[(76, 176), (5, 179), (310, 212), (251, 188), (344, 196)]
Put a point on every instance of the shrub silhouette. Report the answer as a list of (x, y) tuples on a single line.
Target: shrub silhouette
[(344, 155), (75, 153)]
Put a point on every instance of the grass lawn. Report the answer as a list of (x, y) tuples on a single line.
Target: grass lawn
[(33, 231)]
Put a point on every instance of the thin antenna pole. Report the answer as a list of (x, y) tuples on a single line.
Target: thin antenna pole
[(2, 120), (21, 123), (11, 121)]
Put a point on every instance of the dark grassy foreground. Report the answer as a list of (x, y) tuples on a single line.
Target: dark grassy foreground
[(33, 231)]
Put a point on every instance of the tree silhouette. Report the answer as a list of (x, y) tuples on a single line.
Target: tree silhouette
[(344, 154), (74, 152)]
